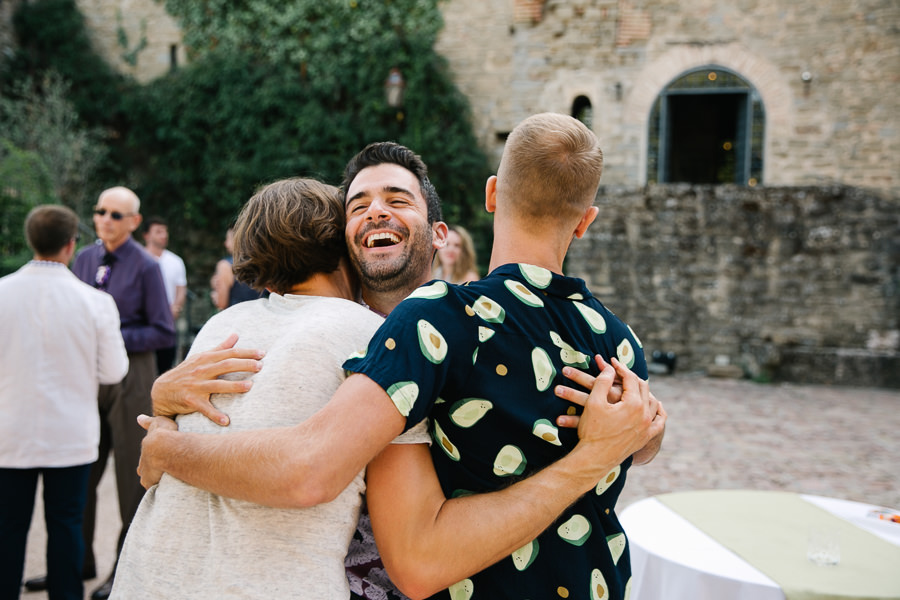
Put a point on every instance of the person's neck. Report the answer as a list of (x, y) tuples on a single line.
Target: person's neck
[(155, 250), (514, 245), (113, 247), (61, 258), (329, 285), (384, 302)]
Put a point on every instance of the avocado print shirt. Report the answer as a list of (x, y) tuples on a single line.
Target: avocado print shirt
[(481, 361)]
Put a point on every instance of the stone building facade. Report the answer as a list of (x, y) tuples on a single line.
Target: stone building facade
[(826, 73), (789, 267)]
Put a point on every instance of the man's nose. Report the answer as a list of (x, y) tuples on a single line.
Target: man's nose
[(378, 211)]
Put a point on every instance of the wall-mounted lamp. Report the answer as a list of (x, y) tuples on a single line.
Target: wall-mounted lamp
[(618, 91), (394, 87), (806, 78)]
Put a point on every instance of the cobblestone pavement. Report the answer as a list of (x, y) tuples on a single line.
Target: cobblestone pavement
[(830, 441)]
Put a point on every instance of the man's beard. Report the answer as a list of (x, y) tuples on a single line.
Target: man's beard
[(405, 272)]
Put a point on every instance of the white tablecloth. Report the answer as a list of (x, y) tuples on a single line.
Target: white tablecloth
[(673, 560)]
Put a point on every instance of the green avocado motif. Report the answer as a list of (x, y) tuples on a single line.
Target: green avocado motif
[(475, 356), (431, 342), (444, 442), (509, 461), (569, 355), (469, 411), (403, 394), (358, 354), (616, 543), (544, 371), (524, 556), (459, 493), (625, 353), (599, 589), (628, 589), (634, 335), (438, 289), (462, 590), (576, 530), (489, 310), (594, 319), (576, 296), (547, 431), (539, 277), (485, 333), (523, 293), (608, 480)]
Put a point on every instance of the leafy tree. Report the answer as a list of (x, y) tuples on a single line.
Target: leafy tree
[(51, 35), (296, 88), (26, 182), (38, 117)]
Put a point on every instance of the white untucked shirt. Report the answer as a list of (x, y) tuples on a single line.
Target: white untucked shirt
[(60, 340)]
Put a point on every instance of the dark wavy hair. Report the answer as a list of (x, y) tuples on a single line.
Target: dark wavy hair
[(380, 153)]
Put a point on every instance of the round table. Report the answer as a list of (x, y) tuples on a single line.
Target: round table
[(673, 559)]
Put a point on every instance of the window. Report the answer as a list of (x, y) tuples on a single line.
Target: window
[(706, 127)]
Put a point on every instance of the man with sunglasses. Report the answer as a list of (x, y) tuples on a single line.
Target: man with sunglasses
[(120, 266)]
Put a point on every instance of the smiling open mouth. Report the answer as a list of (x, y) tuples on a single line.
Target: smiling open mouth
[(380, 240)]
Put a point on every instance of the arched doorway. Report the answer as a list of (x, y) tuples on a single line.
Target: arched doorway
[(705, 127), (583, 111)]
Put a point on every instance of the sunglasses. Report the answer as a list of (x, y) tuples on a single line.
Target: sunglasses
[(114, 214)]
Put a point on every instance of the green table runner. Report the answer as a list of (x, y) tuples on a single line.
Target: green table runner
[(769, 530)]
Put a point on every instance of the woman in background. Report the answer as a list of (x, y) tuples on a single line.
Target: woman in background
[(455, 262)]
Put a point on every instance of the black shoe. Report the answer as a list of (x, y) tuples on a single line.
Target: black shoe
[(103, 592), (39, 584)]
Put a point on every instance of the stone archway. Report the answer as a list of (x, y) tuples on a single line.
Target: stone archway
[(764, 76)]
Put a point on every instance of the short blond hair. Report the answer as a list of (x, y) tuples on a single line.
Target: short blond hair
[(551, 167)]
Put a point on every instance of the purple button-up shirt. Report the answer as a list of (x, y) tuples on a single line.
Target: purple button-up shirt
[(136, 284)]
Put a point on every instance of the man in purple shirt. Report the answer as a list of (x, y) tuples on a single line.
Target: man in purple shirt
[(120, 266)]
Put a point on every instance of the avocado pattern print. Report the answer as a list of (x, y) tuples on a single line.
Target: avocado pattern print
[(480, 361)]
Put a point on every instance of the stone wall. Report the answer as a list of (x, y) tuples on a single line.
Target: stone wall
[(792, 283), (513, 58)]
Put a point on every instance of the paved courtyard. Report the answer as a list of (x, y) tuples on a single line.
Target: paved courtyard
[(831, 441)]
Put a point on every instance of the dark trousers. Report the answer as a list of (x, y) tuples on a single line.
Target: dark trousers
[(165, 359), (65, 491), (119, 406)]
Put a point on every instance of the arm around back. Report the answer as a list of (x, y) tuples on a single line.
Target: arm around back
[(304, 465)]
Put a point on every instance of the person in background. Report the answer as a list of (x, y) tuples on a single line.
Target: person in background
[(61, 341), (226, 290), (120, 266), (456, 261), (156, 240)]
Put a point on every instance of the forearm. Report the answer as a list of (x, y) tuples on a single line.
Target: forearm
[(292, 467), (649, 452), (180, 299), (257, 466), (429, 543)]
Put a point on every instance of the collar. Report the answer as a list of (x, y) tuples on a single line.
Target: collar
[(545, 281)]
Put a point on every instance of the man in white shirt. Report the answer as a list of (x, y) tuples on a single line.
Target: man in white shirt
[(156, 240), (61, 341)]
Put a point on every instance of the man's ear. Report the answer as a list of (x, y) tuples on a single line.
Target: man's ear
[(589, 215), (490, 194), (136, 222), (439, 231)]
